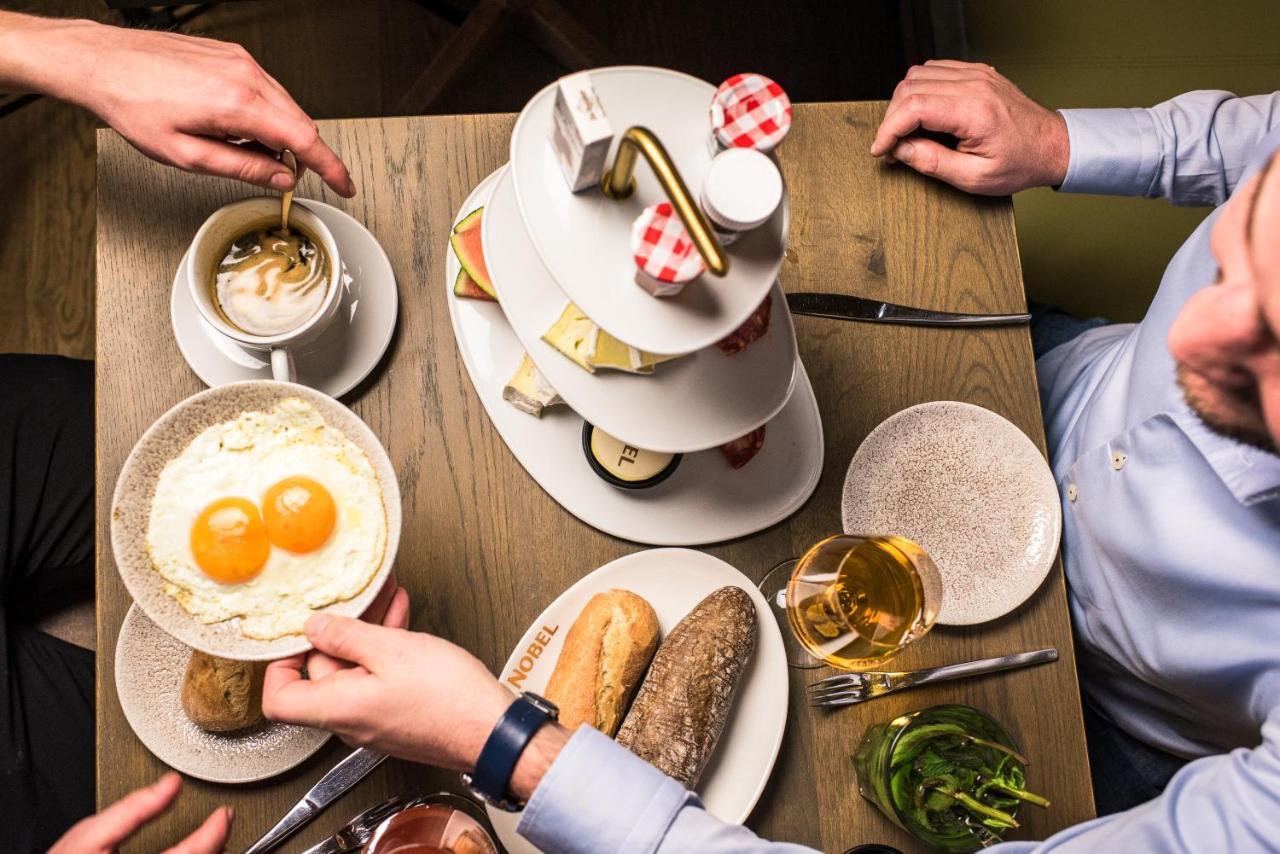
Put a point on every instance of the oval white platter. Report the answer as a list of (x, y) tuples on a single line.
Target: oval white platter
[(704, 501), (674, 581), (701, 400), (584, 238)]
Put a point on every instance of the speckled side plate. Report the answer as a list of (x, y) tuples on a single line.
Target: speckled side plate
[(168, 437), (149, 670), (972, 490)]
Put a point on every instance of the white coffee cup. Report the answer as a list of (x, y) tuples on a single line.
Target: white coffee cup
[(208, 249)]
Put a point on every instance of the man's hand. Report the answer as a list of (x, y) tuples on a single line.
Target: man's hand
[(177, 99), (408, 694), (405, 693), (1007, 142), (108, 830)]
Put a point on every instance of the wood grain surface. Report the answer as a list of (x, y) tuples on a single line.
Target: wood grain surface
[(484, 549), (371, 59)]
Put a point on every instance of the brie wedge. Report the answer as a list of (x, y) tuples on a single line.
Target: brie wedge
[(577, 337), (528, 390)]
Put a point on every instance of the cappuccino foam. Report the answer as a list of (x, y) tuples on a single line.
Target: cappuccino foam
[(271, 281)]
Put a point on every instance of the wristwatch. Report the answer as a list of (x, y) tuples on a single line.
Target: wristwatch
[(510, 736)]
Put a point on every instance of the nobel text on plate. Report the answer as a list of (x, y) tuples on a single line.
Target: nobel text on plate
[(531, 655)]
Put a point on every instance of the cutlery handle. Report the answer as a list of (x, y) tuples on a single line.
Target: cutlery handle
[(849, 307), (985, 665), (963, 320)]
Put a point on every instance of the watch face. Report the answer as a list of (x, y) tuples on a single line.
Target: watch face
[(543, 704)]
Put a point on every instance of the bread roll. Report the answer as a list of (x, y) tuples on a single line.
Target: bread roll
[(683, 703), (604, 657), (220, 695)]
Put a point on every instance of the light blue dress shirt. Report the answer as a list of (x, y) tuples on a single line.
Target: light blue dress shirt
[(1171, 543)]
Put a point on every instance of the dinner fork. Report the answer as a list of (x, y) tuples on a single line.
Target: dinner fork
[(849, 688)]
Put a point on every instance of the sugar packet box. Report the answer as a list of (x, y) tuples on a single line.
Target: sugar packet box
[(580, 131)]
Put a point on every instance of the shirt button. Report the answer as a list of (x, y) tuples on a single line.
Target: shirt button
[(1071, 492), (1118, 460)]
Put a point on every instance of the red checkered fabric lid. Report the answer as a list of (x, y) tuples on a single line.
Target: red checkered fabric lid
[(750, 111), (663, 248)]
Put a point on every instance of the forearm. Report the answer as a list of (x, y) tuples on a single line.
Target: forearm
[(598, 797), (1220, 803), (39, 54), (1190, 149), (537, 759)]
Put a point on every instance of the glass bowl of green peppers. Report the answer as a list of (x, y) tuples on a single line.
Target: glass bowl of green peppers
[(950, 775)]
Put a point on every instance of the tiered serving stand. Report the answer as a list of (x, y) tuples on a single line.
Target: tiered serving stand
[(545, 246)]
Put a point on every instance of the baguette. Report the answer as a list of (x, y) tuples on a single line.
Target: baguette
[(683, 703), (219, 695), (604, 657)]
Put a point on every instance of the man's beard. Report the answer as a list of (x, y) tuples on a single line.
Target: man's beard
[(1236, 415)]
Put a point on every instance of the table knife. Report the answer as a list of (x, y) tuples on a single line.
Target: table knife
[(340, 779), (845, 307)]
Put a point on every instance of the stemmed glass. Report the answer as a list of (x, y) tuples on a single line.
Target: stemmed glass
[(853, 602)]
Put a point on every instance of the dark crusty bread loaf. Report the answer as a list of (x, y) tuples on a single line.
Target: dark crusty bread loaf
[(684, 701), (219, 695), (603, 660)]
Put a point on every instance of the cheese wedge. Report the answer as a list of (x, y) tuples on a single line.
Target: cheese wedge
[(528, 390), (576, 336)]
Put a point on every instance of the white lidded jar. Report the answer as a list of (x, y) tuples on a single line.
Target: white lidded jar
[(741, 190)]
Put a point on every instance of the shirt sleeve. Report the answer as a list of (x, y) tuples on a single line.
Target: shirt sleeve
[(1190, 150), (598, 797), (1219, 803)]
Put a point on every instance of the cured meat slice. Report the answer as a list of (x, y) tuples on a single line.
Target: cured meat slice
[(753, 329), (740, 451)]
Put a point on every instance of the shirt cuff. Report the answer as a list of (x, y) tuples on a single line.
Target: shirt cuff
[(1113, 152), (599, 797)]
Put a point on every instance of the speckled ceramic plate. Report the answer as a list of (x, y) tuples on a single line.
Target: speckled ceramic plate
[(168, 437), (972, 490), (149, 670)]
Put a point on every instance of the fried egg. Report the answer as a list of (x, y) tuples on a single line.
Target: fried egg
[(268, 518)]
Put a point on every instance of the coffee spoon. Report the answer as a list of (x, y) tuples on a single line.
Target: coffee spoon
[(286, 201)]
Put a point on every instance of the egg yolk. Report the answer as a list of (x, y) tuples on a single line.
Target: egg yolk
[(300, 514), (229, 540)]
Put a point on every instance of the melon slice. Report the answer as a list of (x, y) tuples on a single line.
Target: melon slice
[(466, 244), (470, 221), (465, 286)]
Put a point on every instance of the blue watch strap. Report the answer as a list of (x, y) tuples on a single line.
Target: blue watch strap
[(498, 758)]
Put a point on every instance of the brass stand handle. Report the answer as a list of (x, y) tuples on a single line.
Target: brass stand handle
[(619, 183)]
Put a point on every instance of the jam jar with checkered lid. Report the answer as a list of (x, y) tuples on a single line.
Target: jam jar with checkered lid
[(665, 255), (749, 111)]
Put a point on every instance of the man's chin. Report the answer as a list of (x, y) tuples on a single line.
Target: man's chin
[(1225, 412)]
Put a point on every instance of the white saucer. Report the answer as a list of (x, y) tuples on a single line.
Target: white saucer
[(972, 490), (339, 359), (704, 500), (150, 666), (674, 581), (701, 400), (584, 239)]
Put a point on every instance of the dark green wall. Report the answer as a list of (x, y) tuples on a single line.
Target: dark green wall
[(1102, 255)]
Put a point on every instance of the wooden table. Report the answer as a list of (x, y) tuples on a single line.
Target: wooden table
[(484, 549)]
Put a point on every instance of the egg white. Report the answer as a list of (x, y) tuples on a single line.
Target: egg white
[(244, 458)]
